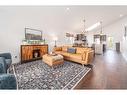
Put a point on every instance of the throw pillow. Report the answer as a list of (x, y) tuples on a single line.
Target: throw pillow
[(71, 50)]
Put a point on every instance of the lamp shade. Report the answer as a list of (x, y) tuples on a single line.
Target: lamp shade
[(55, 38)]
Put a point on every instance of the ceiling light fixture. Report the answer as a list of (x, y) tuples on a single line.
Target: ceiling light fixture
[(121, 15), (67, 9), (93, 26), (84, 31), (101, 33)]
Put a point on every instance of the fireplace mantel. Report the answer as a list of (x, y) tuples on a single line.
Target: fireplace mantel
[(27, 52)]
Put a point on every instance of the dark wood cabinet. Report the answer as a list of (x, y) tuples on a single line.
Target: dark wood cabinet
[(101, 37), (80, 40), (33, 52), (81, 37)]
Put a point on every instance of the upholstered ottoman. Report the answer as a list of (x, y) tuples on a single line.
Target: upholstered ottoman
[(52, 60)]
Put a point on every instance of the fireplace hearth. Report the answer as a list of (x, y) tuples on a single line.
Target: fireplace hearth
[(36, 53)]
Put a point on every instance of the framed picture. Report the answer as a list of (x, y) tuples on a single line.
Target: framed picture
[(33, 34)]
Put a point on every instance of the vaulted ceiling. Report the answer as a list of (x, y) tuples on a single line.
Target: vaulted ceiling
[(68, 18)]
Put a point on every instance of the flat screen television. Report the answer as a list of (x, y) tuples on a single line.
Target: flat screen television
[(33, 34)]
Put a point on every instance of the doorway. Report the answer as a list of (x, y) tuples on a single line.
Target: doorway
[(110, 42)]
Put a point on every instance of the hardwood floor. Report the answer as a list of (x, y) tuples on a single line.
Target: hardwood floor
[(109, 71)]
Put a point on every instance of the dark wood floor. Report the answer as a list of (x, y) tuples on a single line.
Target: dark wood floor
[(109, 71)]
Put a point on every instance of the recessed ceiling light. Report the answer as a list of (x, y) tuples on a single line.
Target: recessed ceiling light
[(121, 15), (67, 8)]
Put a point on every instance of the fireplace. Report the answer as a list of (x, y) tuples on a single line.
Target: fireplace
[(28, 52), (36, 53)]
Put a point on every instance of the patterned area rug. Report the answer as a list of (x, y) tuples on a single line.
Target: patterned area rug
[(38, 75)]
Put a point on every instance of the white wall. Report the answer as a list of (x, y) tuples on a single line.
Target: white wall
[(13, 21), (90, 38), (124, 48)]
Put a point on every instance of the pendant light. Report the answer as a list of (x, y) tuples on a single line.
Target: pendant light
[(101, 33), (84, 31)]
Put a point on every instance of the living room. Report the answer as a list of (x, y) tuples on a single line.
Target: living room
[(63, 47)]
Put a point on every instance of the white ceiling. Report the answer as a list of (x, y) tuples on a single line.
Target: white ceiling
[(69, 19)]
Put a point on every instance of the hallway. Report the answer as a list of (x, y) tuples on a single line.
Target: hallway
[(109, 72)]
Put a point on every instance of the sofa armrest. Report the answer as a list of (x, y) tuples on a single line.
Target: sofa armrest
[(6, 55), (57, 49), (8, 81), (83, 56), (3, 65), (88, 56)]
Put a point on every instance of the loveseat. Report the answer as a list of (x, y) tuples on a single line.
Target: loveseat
[(80, 55), (7, 81), (7, 59)]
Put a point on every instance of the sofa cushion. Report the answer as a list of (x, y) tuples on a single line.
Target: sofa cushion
[(65, 54), (80, 50), (8, 62), (2, 69), (64, 48), (71, 50), (2, 65), (8, 81), (76, 56), (62, 53)]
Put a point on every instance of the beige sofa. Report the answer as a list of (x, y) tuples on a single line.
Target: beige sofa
[(82, 55)]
